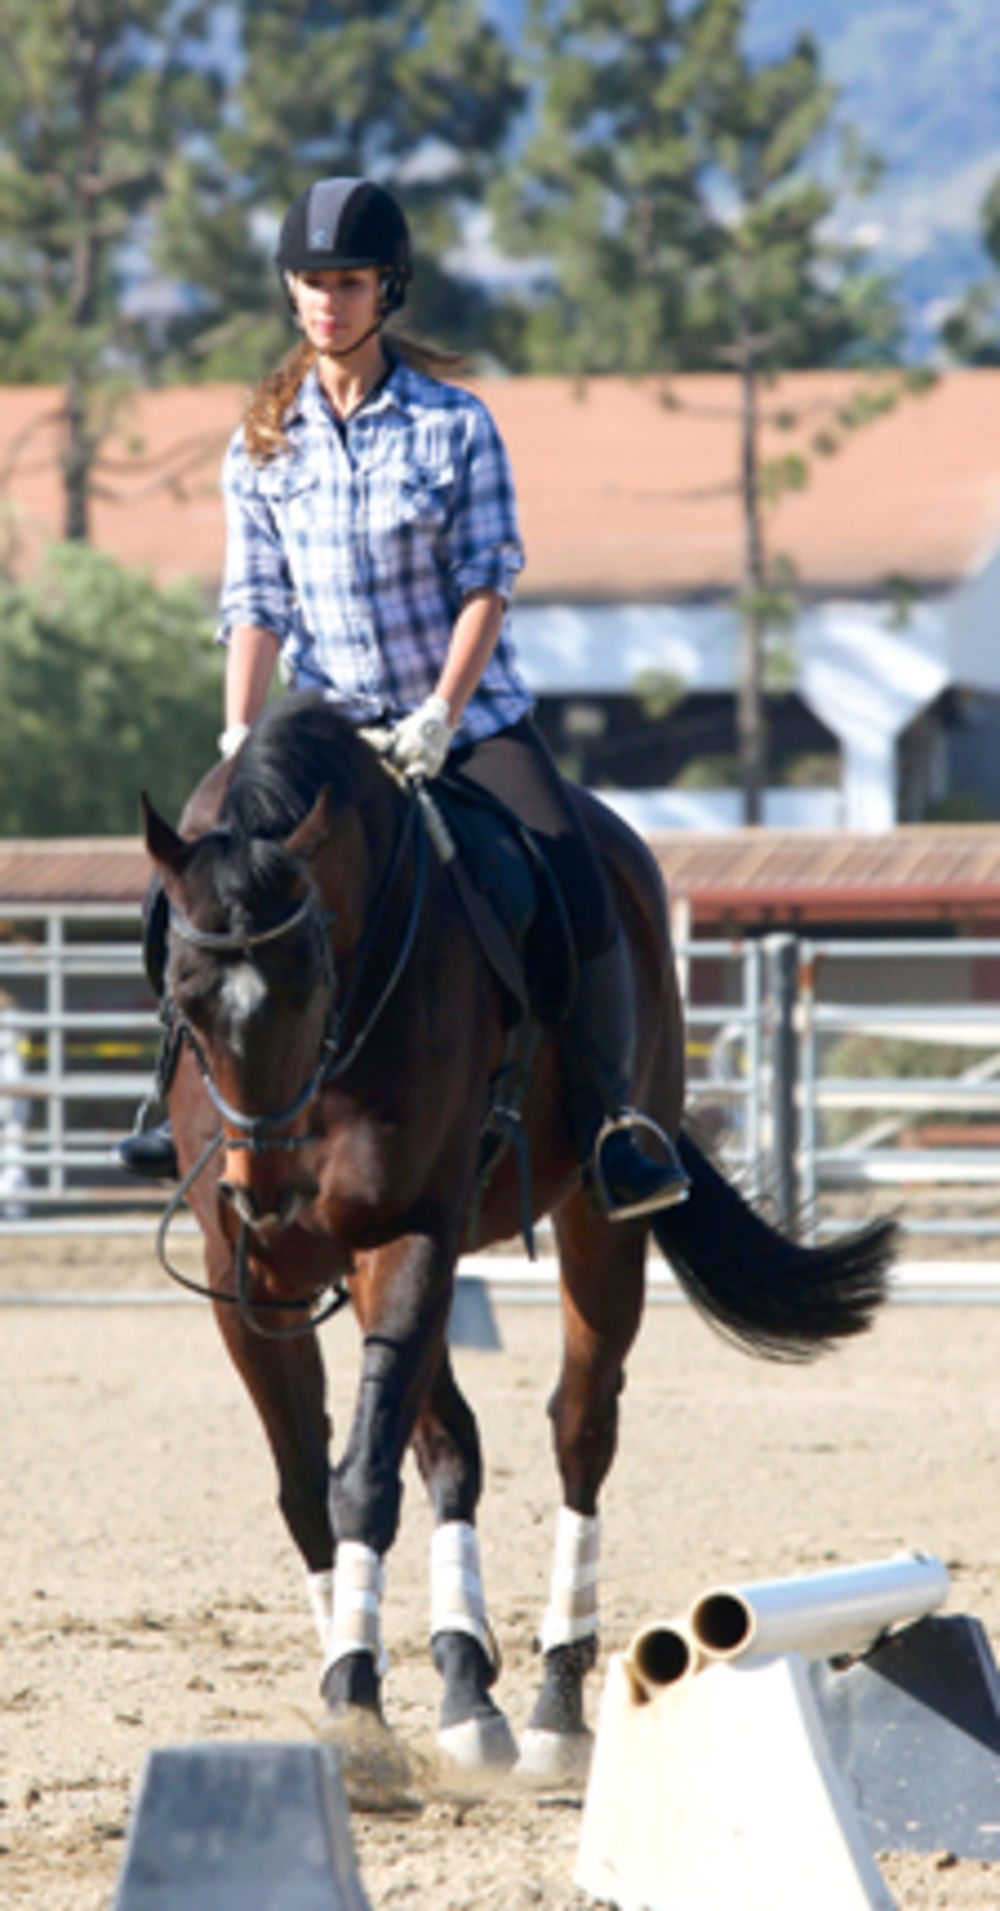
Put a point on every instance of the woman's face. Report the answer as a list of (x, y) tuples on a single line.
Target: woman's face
[(336, 309)]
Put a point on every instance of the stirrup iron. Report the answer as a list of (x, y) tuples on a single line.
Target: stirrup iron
[(674, 1186)]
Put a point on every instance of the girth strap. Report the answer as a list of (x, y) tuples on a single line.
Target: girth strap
[(504, 1128)]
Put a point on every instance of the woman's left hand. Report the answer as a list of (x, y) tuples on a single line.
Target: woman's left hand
[(419, 743)]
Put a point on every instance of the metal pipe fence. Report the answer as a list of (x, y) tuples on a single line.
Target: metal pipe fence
[(819, 1070)]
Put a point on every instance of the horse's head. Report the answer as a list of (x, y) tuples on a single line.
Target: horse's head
[(252, 979)]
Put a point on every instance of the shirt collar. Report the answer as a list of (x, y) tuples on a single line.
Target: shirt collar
[(397, 391)]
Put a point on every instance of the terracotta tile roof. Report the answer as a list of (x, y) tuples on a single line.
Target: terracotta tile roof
[(921, 874), (78, 869), (621, 496)]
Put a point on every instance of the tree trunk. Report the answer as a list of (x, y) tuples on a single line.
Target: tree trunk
[(76, 462), (80, 447), (751, 719)]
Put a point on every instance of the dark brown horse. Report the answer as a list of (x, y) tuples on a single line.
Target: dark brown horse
[(337, 1031)]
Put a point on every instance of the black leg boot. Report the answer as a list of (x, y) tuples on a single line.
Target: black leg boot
[(149, 1150), (630, 1166)]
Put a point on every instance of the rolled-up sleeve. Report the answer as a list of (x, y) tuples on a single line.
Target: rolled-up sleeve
[(483, 547), (256, 585)]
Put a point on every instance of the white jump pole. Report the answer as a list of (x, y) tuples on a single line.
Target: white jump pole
[(820, 1615)]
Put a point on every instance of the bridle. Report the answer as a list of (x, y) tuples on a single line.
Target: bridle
[(259, 1133), (262, 1132)]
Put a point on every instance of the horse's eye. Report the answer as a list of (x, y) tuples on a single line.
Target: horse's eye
[(191, 985)]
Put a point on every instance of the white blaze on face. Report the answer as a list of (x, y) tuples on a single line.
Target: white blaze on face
[(243, 994)]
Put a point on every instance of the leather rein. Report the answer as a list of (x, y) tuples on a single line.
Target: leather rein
[(260, 1133)]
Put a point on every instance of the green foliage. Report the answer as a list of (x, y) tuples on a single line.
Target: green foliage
[(681, 196), (94, 96), (772, 607), (902, 593), (888, 1058), (811, 770), (781, 475), (658, 692), (972, 330), (108, 685), (125, 147), (719, 771), (420, 93), (960, 806)]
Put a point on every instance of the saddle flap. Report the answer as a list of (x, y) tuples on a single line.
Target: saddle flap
[(501, 861)]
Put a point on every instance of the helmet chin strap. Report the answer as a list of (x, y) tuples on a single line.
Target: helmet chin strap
[(363, 340)]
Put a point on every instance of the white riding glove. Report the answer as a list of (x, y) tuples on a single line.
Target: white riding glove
[(419, 743), (233, 739)]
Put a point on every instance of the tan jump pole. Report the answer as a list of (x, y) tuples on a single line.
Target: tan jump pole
[(662, 1655)]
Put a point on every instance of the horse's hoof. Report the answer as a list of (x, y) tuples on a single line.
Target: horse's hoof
[(484, 1743), (376, 1773), (554, 1758)]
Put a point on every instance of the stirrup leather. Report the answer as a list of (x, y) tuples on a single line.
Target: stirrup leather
[(673, 1189)]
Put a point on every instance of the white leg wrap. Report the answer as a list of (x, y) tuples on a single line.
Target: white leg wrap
[(572, 1609), (458, 1603), (319, 1586), (357, 1596)]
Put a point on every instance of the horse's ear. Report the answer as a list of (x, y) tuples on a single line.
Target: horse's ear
[(167, 849), (315, 830)]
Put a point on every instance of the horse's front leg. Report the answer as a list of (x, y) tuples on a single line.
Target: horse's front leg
[(472, 1730), (602, 1268), (402, 1295), (287, 1385)]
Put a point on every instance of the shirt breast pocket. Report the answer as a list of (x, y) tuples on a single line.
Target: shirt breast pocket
[(408, 521), (292, 498), (425, 499)]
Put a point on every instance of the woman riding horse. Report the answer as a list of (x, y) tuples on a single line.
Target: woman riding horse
[(336, 1031), (372, 545)]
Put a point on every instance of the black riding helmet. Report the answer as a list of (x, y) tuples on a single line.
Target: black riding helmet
[(340, 223)]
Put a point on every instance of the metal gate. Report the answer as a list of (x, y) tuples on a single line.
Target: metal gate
[(820, 1070)]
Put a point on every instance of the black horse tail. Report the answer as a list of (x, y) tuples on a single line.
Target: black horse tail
[(771, 1294)]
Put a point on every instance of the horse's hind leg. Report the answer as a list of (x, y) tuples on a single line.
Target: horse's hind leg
[(472, 1731), (602, 1297)]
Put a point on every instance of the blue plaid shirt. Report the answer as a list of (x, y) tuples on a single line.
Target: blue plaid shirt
[(357, 546)]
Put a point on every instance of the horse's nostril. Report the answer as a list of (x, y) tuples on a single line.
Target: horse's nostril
[(282, 1207), (241, 1199), (296, 1196)]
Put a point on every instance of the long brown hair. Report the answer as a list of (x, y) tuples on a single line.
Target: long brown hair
[(272, 399)]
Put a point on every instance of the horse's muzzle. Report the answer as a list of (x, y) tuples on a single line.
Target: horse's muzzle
[(267, 1214)]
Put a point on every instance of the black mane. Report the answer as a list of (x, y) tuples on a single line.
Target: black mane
[(297, 747)]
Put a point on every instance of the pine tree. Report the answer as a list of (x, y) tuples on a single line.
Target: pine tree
[(670, 189), (419, 94), (131, 153), (94, 94)]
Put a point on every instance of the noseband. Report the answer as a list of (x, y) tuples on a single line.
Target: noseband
[(259, 1133)]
